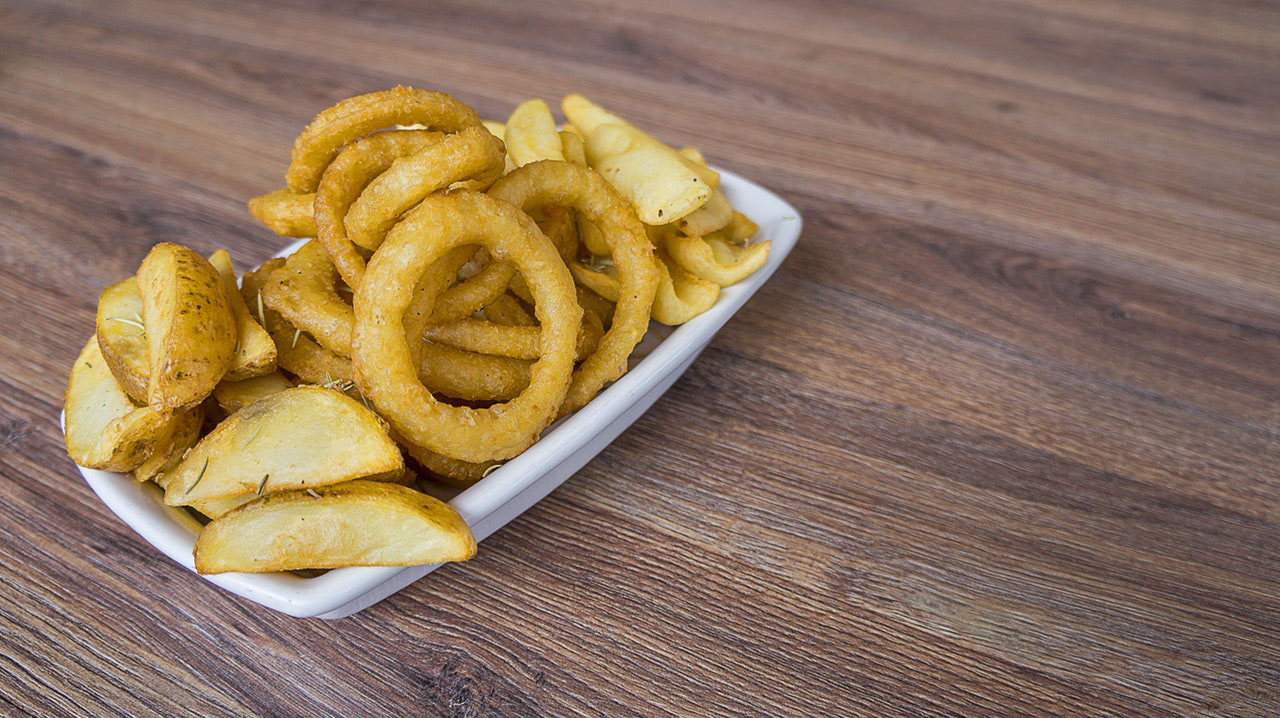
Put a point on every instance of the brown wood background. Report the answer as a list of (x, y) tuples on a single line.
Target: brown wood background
[(1002, 436)]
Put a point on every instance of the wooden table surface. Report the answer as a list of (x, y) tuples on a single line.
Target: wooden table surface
[(1001, 436)]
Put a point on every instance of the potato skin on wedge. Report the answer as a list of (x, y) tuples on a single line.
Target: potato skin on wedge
[(191, 331), (298, 438), (123, 338), (106, 430), (357, 523), (255, 353)]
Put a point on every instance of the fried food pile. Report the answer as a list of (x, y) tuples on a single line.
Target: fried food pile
[(467, 284)]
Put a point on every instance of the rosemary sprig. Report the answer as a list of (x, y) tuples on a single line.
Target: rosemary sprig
[(201, 476), (251, 438), (598, 264), (142, 329), (263, 485)]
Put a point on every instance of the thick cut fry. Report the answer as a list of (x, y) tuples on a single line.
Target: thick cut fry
[(681, 296), (359, 523), (573, 147), (358, 116), (659, 183), (191, 331), (716, 214), (235, 395), (508, 310), (285, 212), (255, 353), (531, 134), (181, 434), (105, 429), (694, 155), (499, 130), (302, 437), (586, 115), (123, 337), (714, 260)]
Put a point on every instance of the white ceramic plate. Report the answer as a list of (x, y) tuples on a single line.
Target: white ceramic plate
[(507, 492)]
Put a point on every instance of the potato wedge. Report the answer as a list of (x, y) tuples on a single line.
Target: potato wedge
[(235, 395), (181, 433), (122, 336), (302, 437), (105, 429), (358, 523), (191, 331), (659, 182), (255, 353), (531, 134), (716, 214)]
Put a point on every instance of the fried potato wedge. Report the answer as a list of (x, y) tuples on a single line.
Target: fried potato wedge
[(255, 353), (531, 134), (181, 433), (499, 130), (191, 331), (123, 337), (299, 438), (235, 395), (105, 429), (358, 523), (663, 185), (716, 214)]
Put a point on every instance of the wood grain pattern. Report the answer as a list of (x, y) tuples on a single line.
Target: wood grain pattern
[(1001, 436)]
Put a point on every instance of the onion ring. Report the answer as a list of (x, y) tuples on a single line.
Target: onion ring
[(305, 292), (355, 117), (565, 184), (343, 181), (517, 342), (382, 358), (508, 310), (472, 157), (285, 212)]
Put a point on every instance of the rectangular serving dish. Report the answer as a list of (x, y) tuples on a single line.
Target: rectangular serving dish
[(518, 484)]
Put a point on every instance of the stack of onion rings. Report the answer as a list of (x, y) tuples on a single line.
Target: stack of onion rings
[(469, 320)]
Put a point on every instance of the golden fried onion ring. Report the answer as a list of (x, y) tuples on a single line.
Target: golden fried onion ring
[(472, 158), (564, 184), (382, 358), (305, 293), (285, 212), (355, 117)]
